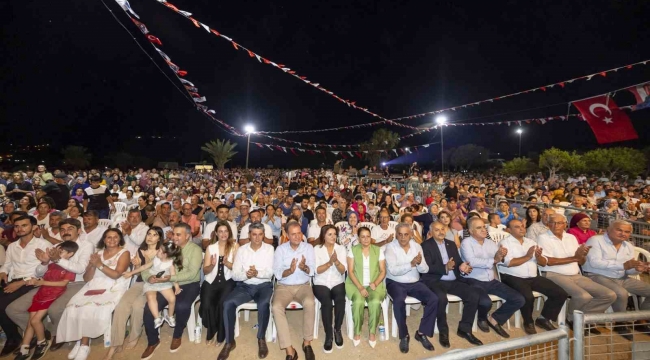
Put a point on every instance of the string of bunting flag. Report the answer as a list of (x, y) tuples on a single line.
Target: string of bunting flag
[(187, 85), (394, 121), (560, 84), (302, 143), (263, 60), (343, 153)]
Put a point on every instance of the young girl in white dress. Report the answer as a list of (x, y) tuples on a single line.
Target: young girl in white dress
[(168, 260)]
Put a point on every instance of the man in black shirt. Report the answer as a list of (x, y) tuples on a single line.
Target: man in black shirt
[(304, 206), (19, 187), (98, 198), (58, 191)]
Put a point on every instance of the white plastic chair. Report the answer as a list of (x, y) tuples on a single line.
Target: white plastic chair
[(339, 225), (293, 306), (538, 298), (194, 320), (105, 222), (367, 224), (392, 224), (247, 307), (350, 322), (119, 206)]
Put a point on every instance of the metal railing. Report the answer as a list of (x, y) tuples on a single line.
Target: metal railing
[(612, 343), (640, 230), (547, 345)]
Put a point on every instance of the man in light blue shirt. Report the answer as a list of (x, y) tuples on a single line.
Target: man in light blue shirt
[(404, 263), (610, 262), (482, 255), (293, 267)]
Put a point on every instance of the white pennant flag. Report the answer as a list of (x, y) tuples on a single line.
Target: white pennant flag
[(395, 151), (206, 27), (199, 99), (258, 58), (335, 152), (186, 82)]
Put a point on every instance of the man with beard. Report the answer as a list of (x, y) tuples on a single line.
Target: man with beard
[(19, 187), (21, 263), (70, 230)]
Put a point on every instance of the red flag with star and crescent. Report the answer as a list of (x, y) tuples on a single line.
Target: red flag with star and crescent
[(607, 121)]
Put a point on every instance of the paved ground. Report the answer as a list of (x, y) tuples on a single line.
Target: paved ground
[(247, 346)]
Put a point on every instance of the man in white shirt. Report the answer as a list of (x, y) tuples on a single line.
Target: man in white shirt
[(253, 271), (540, 227), (313, 232), (134, 231), (404, 263), (70, 230), (382, 234), (91, 229), (610, 262), (293, 266), (483, 255), (222, 214), (519, 271), (20, 264), (563, 257), (256, 217)]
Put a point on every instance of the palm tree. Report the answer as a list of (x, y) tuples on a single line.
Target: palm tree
[(221, 151), (76, 157), (381, 140)]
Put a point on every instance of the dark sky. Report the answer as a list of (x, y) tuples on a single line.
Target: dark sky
[(73, 76)]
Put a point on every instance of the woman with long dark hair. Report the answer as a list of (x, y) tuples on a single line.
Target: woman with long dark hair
[(532, 215), (217, 267), (329, 284), (131, 305)]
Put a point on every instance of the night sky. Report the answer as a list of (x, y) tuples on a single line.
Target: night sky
[(73, 76)]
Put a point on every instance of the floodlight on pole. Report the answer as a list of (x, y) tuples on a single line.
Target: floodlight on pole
[(441, 120), (249, 129), (520, 131)]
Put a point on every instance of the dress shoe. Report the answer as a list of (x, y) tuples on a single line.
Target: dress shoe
[(263, 350), (327, 346), (544, 324), (483, 325), (443, 339), (469, 337), (175, 345), (356, 342), (9, 348), (404, 344), (498, 329), (338, 339), (225, 352), (424, 341), (309, 352), (530, 329), (372, 343), (148, 352), (56, 345), (292, 357), (624, 330)]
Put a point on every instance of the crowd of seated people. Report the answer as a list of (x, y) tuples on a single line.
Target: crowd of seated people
[(113, 252)]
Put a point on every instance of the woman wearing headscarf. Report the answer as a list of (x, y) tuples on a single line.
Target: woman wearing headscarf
[(579, 227)]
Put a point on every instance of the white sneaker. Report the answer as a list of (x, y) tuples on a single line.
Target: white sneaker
[(84, 350), (171, 320), (73, 353), (157, 322)]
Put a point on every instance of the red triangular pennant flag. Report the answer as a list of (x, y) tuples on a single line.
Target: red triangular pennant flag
[(234, 44), (607, 121), (154, 40)]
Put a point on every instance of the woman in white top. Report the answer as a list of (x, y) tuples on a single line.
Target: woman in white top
[(450, 234), (329, 284), (217, 267)]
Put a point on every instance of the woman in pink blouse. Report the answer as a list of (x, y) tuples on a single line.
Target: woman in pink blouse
[(579, 227)]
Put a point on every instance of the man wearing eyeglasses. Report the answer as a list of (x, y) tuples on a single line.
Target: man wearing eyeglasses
[(561, 256)]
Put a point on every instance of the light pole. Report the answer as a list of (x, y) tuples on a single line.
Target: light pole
[(441, 120), (520, 131), (249, 129)]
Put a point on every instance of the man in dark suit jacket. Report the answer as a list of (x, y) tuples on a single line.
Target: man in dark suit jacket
[(445, 277)]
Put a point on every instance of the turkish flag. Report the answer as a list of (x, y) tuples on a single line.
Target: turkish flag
[(607, 121)]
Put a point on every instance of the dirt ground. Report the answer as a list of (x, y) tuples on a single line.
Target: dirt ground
[(247, 344)]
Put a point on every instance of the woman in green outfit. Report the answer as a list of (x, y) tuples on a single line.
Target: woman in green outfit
[(365, 283)]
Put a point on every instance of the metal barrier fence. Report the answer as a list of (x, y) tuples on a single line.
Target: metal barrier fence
[(640, 230), (547, 345), (610, 344)]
